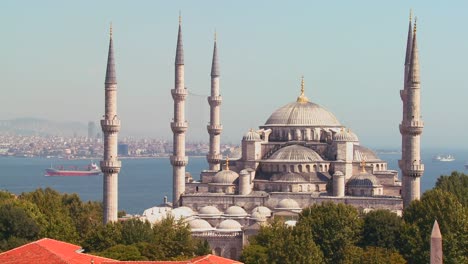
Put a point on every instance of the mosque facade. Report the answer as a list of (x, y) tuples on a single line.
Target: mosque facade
[(302, 155)]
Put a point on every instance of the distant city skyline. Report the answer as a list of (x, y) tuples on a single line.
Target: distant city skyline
[(351, 55)]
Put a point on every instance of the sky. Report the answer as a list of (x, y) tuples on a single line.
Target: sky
[(53, 58)]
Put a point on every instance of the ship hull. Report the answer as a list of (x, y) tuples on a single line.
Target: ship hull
[(60, 173)]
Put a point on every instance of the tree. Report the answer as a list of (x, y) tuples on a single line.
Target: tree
[(123, 252), (16, 227), (453, 222), (457, 184), (333, 227), (279, 243), (104, 237), (372, 255), (381, 228), (135, 231)]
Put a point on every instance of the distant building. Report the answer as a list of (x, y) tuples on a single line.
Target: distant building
[(122, 149), (91, 130)]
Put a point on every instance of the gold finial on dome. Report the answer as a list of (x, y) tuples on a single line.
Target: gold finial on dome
[(302, 98), (227, 163), (363, 165)]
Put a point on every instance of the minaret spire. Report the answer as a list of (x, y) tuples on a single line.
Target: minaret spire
[(436, 245), (110, 165), (411, 128), (179, 125), (214, 127), (409, 44)]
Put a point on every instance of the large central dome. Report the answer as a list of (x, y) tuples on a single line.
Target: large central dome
[(302, 113)]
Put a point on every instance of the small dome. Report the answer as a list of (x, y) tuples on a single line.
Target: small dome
[(225, 177), (345, 136), (291, 177), (288, 204), (200, 225), (363, 179), (302, 114), (181, 212), (235, 211), (251, 136), (246, 171), (229, 225), (295, 153), (209, 211), (338, 173), (265, 211)]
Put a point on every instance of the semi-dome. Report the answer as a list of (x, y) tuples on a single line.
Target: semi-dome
[(288, 203), (225, 177), (295, 153), (345, 136), (209, 210), (291, 177), (362, 153), (363, 179), (251, 136), (229, 225), (302, 114), (200, 225), (235, 211), (262, 210)]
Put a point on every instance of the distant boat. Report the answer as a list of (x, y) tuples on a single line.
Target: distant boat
[(443, 158), (91, 170)]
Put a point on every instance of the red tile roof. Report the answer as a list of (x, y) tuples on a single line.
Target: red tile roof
[(207, 259), (49, 251)]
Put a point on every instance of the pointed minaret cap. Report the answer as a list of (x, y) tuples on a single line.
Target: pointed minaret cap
[(409, 41), (436, 231), (215, 62), (110, 72), (414, 62), (179, 60)]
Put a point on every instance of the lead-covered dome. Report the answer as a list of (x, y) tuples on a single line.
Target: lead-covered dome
[(363, 179), (295, 153), (200, 225), (302, 114), (288, 203), (225, 177), (345, 136), (235, 211), (209, 210), (229, 225), (251, 136)]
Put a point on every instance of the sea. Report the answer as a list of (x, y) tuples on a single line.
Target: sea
[(144, 182)]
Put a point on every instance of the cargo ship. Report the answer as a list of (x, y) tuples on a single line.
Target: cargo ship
[(91, 170)]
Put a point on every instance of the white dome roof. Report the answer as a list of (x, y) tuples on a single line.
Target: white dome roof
[(295, 153), (209, 211), (363, 179), (229, 225), (181, 212), (262, 210), (235, 211), (302, 114), (258, 216), (345, 136), (288, 204), (251, 136), (225, 177), (200, 225)]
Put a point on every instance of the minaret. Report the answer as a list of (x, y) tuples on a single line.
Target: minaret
[(110, 165), (411, 128), (436, 244), (214, 128), (179, 124)]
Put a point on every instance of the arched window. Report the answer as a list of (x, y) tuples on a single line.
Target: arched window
[(308, 168), (315, 168), (300, 188), (317, 188), (291, 168), (217, 251), (300, 168)]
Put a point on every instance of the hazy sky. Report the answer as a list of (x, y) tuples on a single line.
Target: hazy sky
[(53, 58)]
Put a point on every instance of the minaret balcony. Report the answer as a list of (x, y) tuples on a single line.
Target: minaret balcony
[(179, 127), (413, 127), (215, 100), (414, 170), (214, 158), (110, 166), (402, 95), (110, 125), (179, 161), (179, 94), (214, 129)]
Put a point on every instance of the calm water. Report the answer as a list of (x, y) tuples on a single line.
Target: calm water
[(144, 182)]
